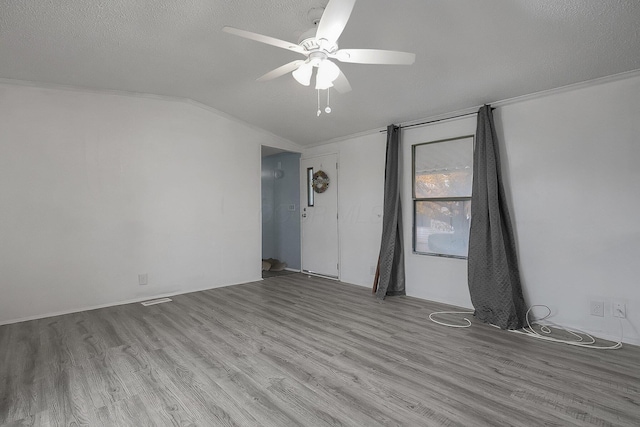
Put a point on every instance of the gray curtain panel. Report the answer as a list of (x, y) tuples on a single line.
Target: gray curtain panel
[(494, 278), (391, 280)]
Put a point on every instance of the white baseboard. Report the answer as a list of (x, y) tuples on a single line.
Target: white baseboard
[(114, 304)]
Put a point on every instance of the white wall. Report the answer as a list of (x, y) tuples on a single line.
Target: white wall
[(96, 188), (571, 162)]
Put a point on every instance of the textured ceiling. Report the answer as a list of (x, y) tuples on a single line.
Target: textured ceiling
[(469, 52)]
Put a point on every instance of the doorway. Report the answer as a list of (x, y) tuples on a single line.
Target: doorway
[(280, 193)]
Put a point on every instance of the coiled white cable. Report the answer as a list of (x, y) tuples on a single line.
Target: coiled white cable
[(451, 312), (578, 342), (546, 329)]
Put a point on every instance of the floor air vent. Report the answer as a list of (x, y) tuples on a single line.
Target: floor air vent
[(155, 301)]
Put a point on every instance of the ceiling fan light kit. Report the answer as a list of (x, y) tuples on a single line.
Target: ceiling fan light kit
[(303, 74), (326, 74), (320, 45)]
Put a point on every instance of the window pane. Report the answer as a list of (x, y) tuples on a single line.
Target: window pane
[(442, 227), (443, 169), (310, 200)]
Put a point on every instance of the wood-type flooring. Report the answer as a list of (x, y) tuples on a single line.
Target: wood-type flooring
[(301, 351)]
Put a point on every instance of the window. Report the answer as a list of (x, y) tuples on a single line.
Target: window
[(442, 180)]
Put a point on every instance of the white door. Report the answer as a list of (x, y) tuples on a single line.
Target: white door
[(319, 211)]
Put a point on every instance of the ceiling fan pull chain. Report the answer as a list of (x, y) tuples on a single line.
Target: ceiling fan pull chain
[(319, 112), (328, 109)]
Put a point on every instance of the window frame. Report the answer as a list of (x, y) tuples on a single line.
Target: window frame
[(416, 200)]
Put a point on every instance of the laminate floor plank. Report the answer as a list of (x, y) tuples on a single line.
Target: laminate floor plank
[(236, 368), (131, 411), (301, 351), (296, 351), (38, 419), (265, 376), (65, 395), (275, 376), (211, 401)]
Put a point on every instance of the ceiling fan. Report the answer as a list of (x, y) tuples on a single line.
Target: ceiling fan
[(320, 46)]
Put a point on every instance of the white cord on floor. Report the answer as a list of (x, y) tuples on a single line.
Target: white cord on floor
[(578, 342), (546, 329), (452, 312)]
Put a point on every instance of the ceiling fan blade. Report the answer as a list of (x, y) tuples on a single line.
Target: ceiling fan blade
[(374, 56), (341, 84), (334, 19), (265, 39), (281, 71)]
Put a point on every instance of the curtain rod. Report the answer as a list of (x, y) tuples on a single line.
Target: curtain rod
[(436, 120), (433, 121)]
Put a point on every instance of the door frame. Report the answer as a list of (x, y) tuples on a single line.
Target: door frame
[(303, 201), (280, 150)]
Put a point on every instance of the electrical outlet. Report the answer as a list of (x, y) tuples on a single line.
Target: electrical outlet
[(142, 279), (619, 309), (597, 308)]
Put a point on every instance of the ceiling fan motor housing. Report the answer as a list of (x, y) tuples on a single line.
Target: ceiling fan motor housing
[(311, 44), (315, 58)]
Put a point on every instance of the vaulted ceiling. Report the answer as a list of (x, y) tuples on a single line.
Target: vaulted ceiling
[(469, 52)]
